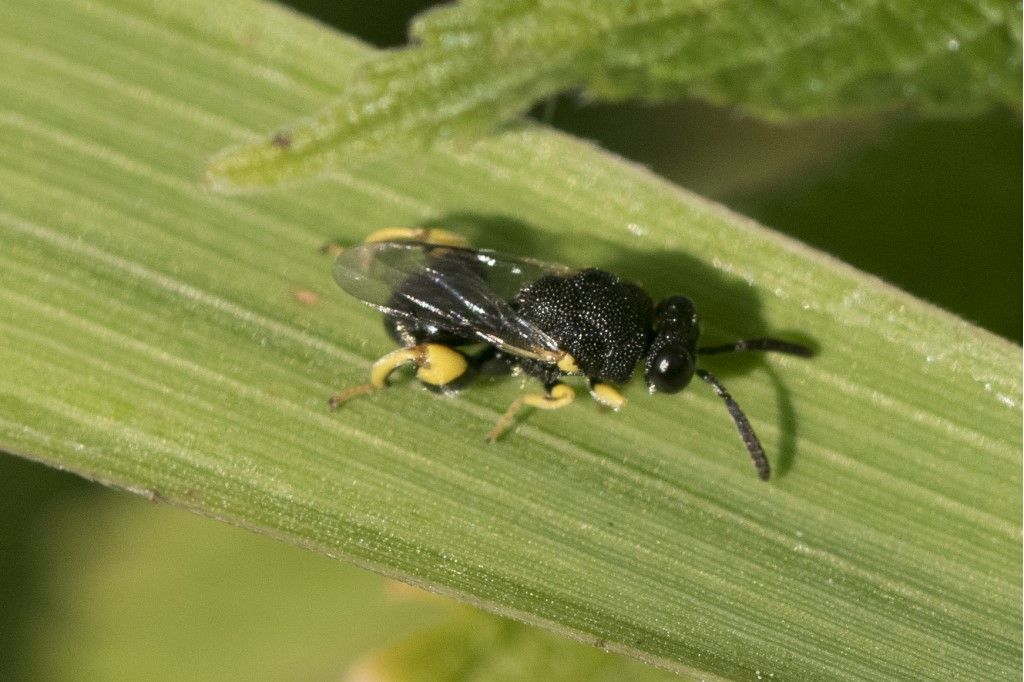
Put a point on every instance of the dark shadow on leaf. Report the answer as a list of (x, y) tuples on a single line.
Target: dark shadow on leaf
[(786, 449)]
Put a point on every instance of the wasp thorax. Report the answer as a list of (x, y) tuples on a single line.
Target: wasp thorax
[(602, 321)]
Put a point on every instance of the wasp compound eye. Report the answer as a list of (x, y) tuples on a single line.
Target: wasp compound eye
[(669, 370)]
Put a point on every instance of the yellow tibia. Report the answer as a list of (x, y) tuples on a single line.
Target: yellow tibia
[(383, 368)]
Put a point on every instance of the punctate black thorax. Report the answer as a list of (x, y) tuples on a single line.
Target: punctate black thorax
[(602, 321)]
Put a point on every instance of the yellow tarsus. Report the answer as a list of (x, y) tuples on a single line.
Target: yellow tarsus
[(338, 399)]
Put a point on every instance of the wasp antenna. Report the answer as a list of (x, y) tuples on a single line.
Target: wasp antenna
[(763, 343), (742, 425)]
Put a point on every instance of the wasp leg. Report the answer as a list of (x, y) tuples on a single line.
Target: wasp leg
[(558, 395), (426, 235), (332, 249), (440, 366), (607, 395), (379, 373), (437, 366)]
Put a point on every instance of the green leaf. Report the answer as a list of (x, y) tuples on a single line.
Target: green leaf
[(476, 64), (182, 345)]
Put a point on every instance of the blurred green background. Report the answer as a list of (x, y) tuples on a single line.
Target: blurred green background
[(96, 584)]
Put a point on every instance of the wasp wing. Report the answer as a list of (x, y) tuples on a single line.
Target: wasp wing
[(466, 292)]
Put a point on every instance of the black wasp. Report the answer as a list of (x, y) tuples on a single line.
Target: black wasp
[(459, 312)]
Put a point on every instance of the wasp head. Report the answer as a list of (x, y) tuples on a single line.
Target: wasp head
[(672, 354)]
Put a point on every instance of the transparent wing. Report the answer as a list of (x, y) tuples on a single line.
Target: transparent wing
[(466, 292)]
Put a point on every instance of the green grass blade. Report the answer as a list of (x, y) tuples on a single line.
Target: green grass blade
[(182, 345), (476, 64)]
